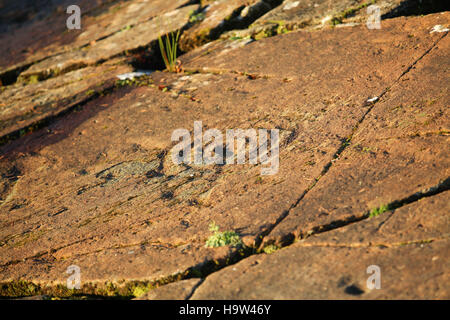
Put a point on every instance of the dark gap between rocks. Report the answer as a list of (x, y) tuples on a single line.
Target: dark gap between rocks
[(418, 7), (188, 3), (236, 22), (149, 57), (10, 77), (441, 187)]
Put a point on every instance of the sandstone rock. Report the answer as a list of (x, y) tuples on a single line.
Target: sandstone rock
[(180, 290), (36, 41), (32, 30), (138, 36), (87, 176), (265, 57), (423, 221), (334, 273), (306, 14), (219, 16), (416, 105), (382, 166), (26, 104)]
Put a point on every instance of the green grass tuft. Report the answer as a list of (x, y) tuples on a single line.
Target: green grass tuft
[(169, 50)]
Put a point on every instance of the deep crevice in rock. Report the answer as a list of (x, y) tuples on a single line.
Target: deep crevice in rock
[(441, 187), (10, 77), (107, 290), (417, 7)]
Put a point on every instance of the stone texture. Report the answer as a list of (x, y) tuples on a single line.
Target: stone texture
[(87, 177), (414, 271), (416, 105), (25, 29), (362, 181), (221, 15), (422, 221), (99, 173), (335, 46), (114, 175), (307, 12), (25, 104), (34, 41), (135, 37), (310, 15), (371, 170), (180, 290), (314, 13)]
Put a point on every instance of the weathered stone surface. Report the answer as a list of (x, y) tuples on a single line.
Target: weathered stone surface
[(363, 181), (322, 12), (415, 106), (423, 221), (306, 12), (101, 169), (138, 36), (207, 21), (291, 15), (407, 272), (32, 30), (336, 46), (24, 104), (93, 178), (221, 15), (35, 41), (385, 164), (362, 119), (180, 290), (310, 15), (130, 13)]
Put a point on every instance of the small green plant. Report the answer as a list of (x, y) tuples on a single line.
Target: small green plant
[(140, 291), (128, 27), (220, 239), (33, 79), (377, 211), (90, 92), (196, 17), (271, 248), (169, 50)]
